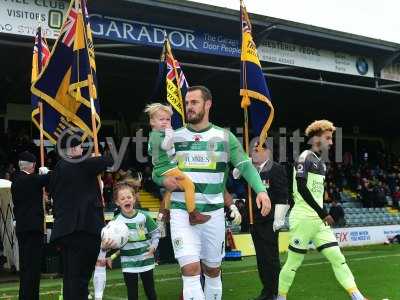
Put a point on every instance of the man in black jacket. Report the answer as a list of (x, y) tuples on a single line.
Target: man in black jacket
[(265, 229), (27, 197), (78, 214)]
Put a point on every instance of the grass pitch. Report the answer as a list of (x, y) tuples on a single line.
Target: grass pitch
[(376, 269)]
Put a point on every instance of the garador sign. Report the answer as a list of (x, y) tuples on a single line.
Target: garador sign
[(133, 32)]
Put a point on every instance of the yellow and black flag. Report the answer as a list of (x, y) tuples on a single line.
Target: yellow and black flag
[(253, 85), (68, 83), (175, 82)]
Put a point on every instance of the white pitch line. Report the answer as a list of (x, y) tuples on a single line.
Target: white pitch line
[(224, 273), (113, 298)]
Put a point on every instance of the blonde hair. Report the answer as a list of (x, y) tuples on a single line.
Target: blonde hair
[(318, 127), (152, 108)]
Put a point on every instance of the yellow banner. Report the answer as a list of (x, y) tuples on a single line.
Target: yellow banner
[(35, 71), (244, 243), (249, 50), (173, 97)]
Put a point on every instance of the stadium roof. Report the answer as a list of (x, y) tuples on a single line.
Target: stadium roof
[(290, 26)]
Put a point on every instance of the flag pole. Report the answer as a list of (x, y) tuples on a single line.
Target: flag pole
[(258, 91), (93, 111), (91, 95), (246, 143), (245, 104), (90, 81), (41, 136), (40, 104), (90, 85), (178, 81)]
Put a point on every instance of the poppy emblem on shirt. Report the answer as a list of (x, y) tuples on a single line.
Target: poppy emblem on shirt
[(197, 137)]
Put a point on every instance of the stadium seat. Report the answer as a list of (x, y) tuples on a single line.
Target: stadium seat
[(356, 204), (352, 222), (383, 220)]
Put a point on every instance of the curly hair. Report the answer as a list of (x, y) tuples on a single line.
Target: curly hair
[(316, 128), (152, 108)]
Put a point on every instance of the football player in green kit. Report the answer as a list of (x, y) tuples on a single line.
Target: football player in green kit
[(308, 221)]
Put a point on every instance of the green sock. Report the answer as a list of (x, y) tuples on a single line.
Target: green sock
[(288, 272), (340, 267)]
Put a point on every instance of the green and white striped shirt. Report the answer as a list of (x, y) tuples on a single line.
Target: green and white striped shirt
[(143, 233), (204, 156)]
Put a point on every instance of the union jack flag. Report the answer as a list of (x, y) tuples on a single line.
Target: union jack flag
[(41, 49), (69, 27), (246, 24), (171, 75)]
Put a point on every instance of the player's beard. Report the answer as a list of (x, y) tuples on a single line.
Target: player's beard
[(196, 118)]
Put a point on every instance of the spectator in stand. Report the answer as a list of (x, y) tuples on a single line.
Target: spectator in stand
[(396, 197), (333, 194), (340, 179), (10, 171), (108, 189), (380, 193), (336, 195), (337, 213), (5, 175), (347, 159), (121, 174), (365, 193), (391, 180)]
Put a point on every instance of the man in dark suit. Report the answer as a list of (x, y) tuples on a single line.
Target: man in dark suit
[(27, 197), (265, 229), (78, 214)]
